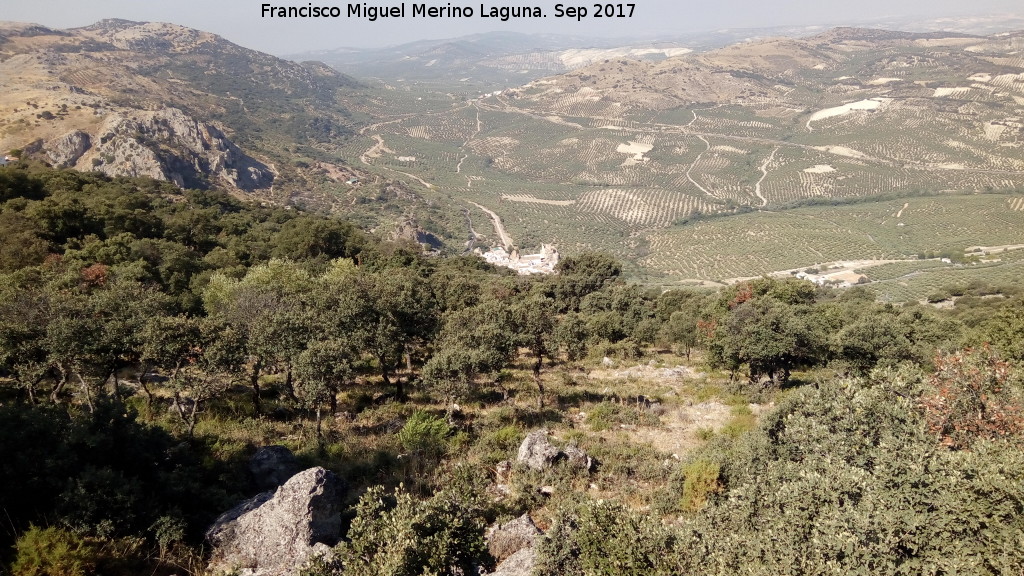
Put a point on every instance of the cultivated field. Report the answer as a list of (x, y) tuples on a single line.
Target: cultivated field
[(912, 229)]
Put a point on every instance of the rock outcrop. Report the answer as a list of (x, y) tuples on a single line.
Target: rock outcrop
[(272, 466), (536, 452), (519, 564), (165, 144), (275, 535), (504, 540), (65, 151), (539, 454), (170, 145), (577, 458)]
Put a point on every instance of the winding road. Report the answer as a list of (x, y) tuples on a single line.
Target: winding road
[(499, 228), (764, 174)]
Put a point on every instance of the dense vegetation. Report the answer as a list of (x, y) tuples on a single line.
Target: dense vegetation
[(151, 338)]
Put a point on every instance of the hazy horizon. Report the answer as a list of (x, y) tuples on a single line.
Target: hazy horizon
[(242, 23)]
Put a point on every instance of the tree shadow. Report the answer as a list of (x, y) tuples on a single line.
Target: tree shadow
[(577, 398)]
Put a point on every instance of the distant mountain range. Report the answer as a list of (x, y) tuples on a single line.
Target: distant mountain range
[(503, 59)]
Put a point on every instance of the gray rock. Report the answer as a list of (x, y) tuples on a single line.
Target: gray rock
[(519, 564), (539, 454), (536, 452), (65, 150), (504, 540), (577, 458), (277, 536), (169, 145), (272, 466), (224, 521)]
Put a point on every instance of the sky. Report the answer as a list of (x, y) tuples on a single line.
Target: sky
[(240, 21)]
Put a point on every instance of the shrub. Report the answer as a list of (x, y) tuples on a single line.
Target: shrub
[(846, 479), (603, 416), (499, 444), (606, 539), (402, 536), (424, 434), (702, 479), (973, 398), (53, 552)]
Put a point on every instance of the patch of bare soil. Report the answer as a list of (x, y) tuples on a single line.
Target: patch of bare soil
[(645, 372), (681, 427)]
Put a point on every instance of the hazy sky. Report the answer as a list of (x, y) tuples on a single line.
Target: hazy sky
[(240, 20)]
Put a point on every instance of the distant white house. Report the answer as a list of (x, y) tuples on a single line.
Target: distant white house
[(542, 263)]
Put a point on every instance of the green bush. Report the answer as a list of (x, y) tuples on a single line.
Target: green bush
[(500, 444), (846, 478), (605, 415), (403, 536), (424, 434), (606, 539), (702, 479), (53, 552)]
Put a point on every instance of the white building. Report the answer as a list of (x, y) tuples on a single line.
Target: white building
[(541, 263)]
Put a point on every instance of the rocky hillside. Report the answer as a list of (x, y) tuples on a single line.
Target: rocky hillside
[(160, 100)]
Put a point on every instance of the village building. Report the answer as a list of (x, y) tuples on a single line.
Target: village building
[(543, 262)]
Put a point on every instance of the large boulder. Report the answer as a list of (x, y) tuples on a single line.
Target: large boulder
[(539, 454), (504, 540), (272, 466), (276, 535), (536, 452)]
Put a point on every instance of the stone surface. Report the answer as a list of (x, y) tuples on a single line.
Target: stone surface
[(539, 454), (536, 452), (67, 149), (272, 466), (519, 564), (577, 458), (504, 540), (276, 535), (165, 144)]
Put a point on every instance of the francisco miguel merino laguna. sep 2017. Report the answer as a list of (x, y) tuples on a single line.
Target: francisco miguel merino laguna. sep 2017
[(504, 13)]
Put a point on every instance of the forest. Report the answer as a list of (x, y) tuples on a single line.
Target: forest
[(152, 338)]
